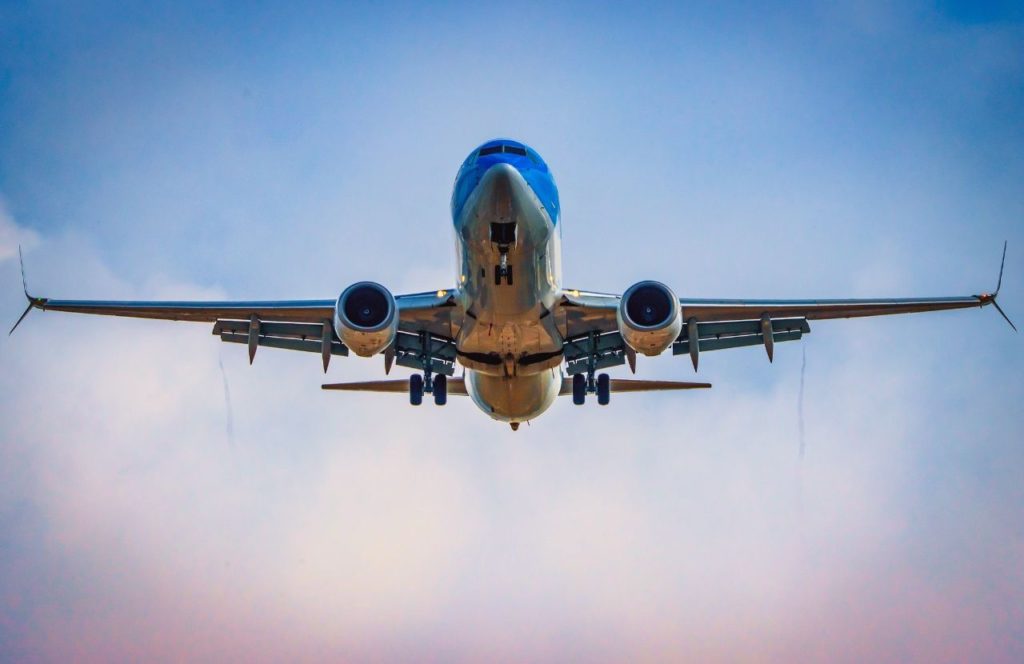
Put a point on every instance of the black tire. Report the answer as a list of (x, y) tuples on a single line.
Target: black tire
[(415, 389), (604, 389), (508, 275), (579, 389), (497, 275), (440, 390)]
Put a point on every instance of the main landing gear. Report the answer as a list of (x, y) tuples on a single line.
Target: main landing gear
[(438, 386), (591, 382), (584, 384), (428, 381), (440, 390), (415, 389)]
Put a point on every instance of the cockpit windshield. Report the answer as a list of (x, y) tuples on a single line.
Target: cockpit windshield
[(497, 149), (511, 153)]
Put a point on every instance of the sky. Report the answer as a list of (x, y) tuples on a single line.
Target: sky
[(162, 500)]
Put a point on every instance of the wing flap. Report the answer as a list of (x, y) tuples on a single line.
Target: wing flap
[(288, 330), (682, 346), (285, 343), (736, 327)]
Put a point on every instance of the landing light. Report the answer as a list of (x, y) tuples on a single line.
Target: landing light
[(442, 293)]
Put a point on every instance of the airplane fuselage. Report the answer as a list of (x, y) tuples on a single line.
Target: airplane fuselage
[(508, 246)]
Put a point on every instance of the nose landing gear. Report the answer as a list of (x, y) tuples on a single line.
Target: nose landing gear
[(503, 272), (503, 234)]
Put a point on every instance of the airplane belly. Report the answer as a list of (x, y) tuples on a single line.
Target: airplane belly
[(508, 329), (514, 398)]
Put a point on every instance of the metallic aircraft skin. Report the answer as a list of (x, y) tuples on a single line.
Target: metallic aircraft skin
[(508, 321)]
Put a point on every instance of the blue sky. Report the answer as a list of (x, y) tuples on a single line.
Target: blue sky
[(282, 151)]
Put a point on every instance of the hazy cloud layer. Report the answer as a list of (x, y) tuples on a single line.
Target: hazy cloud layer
[(13, 236), (861, 152)]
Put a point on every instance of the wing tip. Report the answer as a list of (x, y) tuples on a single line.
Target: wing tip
[(990, 298), (1002, 264), (33, 302)]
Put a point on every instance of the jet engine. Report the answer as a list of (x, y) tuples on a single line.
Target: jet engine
[(649, 317), (366, 318)]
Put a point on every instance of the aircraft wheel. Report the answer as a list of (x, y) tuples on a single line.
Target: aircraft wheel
[(604, 389), (415, 389), (440, 389), (579, 389)]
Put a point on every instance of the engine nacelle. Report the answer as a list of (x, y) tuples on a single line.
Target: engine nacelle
[(366, 318), (649, 317)]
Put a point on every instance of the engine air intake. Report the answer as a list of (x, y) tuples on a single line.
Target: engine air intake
[(365, 318), (649, 317), (649, 305), (366, 306)]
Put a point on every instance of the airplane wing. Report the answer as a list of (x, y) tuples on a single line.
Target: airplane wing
[(715, 324), (425, 331), (596, 311), (293, 311)]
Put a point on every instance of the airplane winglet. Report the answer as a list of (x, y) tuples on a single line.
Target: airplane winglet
[(1002, 264), (992, 298), (1003, 314), (32, 301), (29, 308), (24, 282)]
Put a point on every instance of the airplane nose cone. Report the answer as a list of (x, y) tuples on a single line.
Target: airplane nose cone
[(499, 187)]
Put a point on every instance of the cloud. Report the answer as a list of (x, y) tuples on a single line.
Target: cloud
[(357, 528), (12, 235)]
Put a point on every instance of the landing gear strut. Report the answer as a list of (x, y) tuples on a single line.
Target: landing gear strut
[(582, 385), (589, 383), (503, 235), (428, 381), (503, 272)]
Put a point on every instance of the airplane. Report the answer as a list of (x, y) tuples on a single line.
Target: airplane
[(522, 339)]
